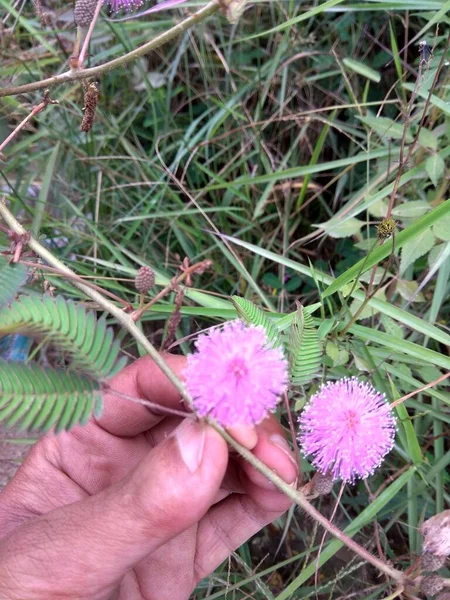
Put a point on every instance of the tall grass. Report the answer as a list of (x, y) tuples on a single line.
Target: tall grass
[(260, 146)]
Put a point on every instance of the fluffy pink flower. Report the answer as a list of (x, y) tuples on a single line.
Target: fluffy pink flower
[(235, 377), (348, 428)]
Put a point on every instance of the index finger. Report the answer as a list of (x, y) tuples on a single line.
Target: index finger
[(141, 379)]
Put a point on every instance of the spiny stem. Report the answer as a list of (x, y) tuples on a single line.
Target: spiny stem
[(127, 322), (153, 44)]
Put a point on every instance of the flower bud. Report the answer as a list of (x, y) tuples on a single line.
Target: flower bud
[(84, 12), (145, 280), (322, 483), (432, 562), (431, 585)]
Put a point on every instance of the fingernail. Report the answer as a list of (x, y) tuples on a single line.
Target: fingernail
[(279, 441), (190, 436)]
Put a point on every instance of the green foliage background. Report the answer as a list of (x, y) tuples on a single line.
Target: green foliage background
[(271, 148)]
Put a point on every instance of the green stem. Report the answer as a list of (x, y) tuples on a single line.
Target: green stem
[(153, 44), (127, 322)]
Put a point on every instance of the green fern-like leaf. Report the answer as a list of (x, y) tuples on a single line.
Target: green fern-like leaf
[(38, 399), (305, 349), (70, 326), (12, 277), (253, 315)]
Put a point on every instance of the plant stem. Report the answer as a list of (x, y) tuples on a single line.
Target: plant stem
[(124, 319), (153, 44), (127, 322), (89, 34), (35, 111)]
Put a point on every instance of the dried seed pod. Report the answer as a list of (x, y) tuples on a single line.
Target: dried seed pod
[(436, 534), (145, 280), (432, 562), (386, 228), (90, 106), (432, 585), (84, 12), (174, 321)]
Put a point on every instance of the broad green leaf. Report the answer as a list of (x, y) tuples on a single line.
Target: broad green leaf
[(441, 229), (416, 248), (336, 229), (325, 327), (12, 277), (428, 139), (332, 350), (412, 209), (338, 356), (378, 209), (362, 69), (253, 315), (435, 167), (391, 327), (38, 398), (436, 253), (408, 289), (434, 100), (409, 233), (386, 128)]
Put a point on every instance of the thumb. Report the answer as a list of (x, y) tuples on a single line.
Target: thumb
[(84, 549)]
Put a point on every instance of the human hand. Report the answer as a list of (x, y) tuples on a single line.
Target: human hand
[(135, 505)]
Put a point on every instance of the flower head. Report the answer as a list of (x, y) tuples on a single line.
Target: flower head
[(234, 376), (348, 428)]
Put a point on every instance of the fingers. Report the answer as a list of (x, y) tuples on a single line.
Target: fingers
[(230, 523), (83, 549), (274, 451), (141, 379)]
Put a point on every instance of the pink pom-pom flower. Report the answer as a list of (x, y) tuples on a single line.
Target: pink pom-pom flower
[(235, 377), (348, 428)]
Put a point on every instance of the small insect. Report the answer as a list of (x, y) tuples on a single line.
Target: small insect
[(425, 51)]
